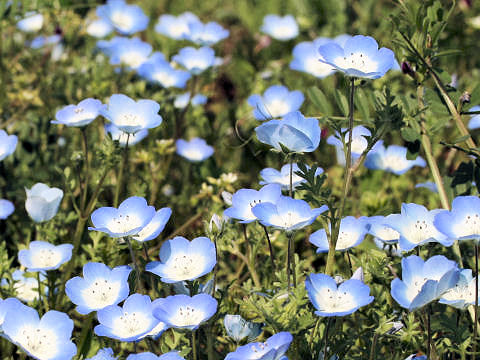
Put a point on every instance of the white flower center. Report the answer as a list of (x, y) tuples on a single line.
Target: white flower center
[(164, 78), (192, 153), (26, 290), (386, 233), (287, 220), (78, 110), (41, 343), (185, 266), (277, 107), (133, 58), (101, 293), (358, 61), (415, 287), (187, 316), (419, 231), (345, 240), (469, 226), (283, 31), (131, 324), (121, 20), (336, 301), (45, 258), (317, 67), (124, 224)]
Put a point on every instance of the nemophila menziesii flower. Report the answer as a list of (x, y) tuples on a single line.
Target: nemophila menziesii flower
[(104, 354), (416, 357), (274, 348), (474, 122), (194, 150), (423, 282), (359, 143), (173, 355), (377, 227), (391, 159), (181, 101), (79, 115), (280, 28), (8, 143), (6, 306), (276, 101), (123, 137), (245, 199), (462, 294), (45, 338), (463, 221), (99, 28), (155, 226), (352, 232), (282, 177), (194, 60), (129, 219), (129, 52), (100, 287), (287, 214), (181, 287), (185, 312), (206, 34), (358, 57), (415, 225), (128, 323), (430, 185), (238, 328), (126, 19), (42, 202), (131, 116), (26, 288), (175, 27), (32, 22), (294, 132), (41, 41), (331, 299), (42, 256), (159, 71), (6, 209), (181, 259)]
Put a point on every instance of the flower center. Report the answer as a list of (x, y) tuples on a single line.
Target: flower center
[(121, 20), (187, 316), (41, 343), (78, 110), (46, 258), (336, 301), (124, 223), (131, 324), (277, 107), (358, 61), (101, 293), (164, 78)]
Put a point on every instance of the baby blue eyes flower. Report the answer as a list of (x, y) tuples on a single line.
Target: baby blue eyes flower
[(130, 218), (131, 116), (181, 259), (185, 312), (175, 27), (126, 19), (123, 137), (474, 122), (158, 70), (6, 209), (150, 356), (8, 143), (463, 221), (42, 255), (294, 131), (206, 34), (194, 60), (194, 150), (282, 177), (305, 59), (41, 41), (352, 232), (129, 52), (181, 101), (391, 159), (104, 354), (26, 288), (155, 226), (238, 328), (277, 101), (43, 202), (100, 287), (280, 28), (331, 299), (32, 22), (99, 28), (382, 232), (10, 304), (46, 338), (274, 348), (359, 57), (359, 143), (462, 295), (423, 282), (430, 185), (79, 115)]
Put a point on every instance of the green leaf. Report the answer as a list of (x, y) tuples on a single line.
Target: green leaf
[(362, 104), (342, 102), (410, 134), (319, 99), (461, 139)]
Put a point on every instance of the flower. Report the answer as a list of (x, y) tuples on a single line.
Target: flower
[(194, 150), (123, 137), (359, 143), (205, 34), (352, 232), (159, 71), (462, 294), (100, 287), (99, 28), (463, 221), (172, 355), (6, 209), (126, 19), (181, 287), (277, 101), (331, 299), (46, 338), (274, 348), (130, 218), (195, 60), (415, 225), (430, 185), (7, 305), (181, 259), (181, 101), (294, 132), (282, 177), (79, 115), (41, 41), (423, 282), (43, 202), (104, 354), (155, 226), (131, 52), (474, 122), (245, 199), (377, 227), (238, 328), (175, 27), (416, 357), (131, 116), (26, 288), (32, 22), (185, 312), (391, 159), (358, 57), (42, 256), (8, 143), (287, 214), (128, 323), (280, 28)]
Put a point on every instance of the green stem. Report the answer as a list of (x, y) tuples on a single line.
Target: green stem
[(291, 177), (194, 346), (134, 261), (429, 333), (247, 258), (374, 345), (39, 292), (270, 248), (83, 344), (121, 172), (326, 338), (210, 349), (87, 167)]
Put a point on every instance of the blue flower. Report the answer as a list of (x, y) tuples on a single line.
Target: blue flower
[(280, 28), (294, 131), (245, 199), (391, 159), (32, 22), (128, 323), (8, 305), (100, 287), (287, 214), (474, 122), (8, 143), (41, 41), (359, 143), (130, 218), (282, 177), (42, 202), (158, 70), (123, 137), (185, 312), (104, 354), (274, 348), (194, 150), (206, 34), (377, 226), (277, 101), (462, 295), (352, 232), (463, 221), (181, 101), (99, 28), (238, 328), (175, 27), (26, 288), (129, 52), (415, 225), (359, 57), (79, 115), (42, 256), (172, 355), (6, 209), (331, 299), (155, 226), (132, 116), (416, 357), (195, 60), (45, 338), (423, 282), (181, 287), (181, 259), (430, 185), (126, 19)]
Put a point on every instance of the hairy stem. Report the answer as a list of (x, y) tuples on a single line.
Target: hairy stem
[(270, 248), (121, 172)]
